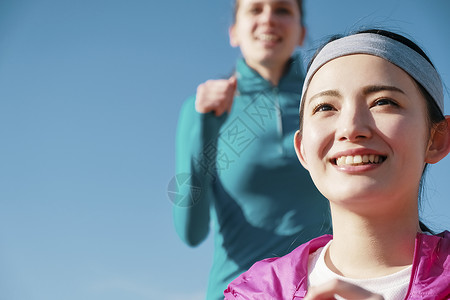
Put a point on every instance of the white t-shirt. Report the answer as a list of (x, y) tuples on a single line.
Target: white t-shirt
[(391, 287)]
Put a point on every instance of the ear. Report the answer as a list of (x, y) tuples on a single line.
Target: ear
[(299, 149), (302, 35), (439, 144), (234, 41)]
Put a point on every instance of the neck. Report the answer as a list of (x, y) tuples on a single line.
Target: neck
[(368, 247), (270, 72)]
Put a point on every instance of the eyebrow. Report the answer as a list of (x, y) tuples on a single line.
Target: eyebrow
[(379, 88), (330, 93), (371, 89)]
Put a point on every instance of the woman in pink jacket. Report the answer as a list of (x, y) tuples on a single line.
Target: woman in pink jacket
[(371, 120)]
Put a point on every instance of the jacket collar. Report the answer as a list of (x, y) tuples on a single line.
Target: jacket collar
[(249, 81), (431, 260)]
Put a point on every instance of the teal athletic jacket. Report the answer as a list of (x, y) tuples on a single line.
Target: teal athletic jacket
[(239, 172)]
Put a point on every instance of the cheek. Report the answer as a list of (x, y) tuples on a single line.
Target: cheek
[(293, 29), (316, 142), (404, 134)]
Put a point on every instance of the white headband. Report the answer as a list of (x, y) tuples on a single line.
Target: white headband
[(393, 51)]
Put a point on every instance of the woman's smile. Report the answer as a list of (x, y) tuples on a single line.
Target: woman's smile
[(359, 160)]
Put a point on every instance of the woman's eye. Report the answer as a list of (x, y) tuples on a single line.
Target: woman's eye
[(282, 11), (384, 101), (323, 107), (254, 10)]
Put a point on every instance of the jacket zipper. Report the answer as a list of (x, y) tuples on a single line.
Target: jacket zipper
[(279, 118)]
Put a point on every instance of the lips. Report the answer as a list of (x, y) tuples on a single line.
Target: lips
[(357, 160)]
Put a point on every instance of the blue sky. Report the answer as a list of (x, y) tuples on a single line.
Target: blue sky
[(90, 92)]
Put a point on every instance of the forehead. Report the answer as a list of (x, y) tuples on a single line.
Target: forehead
[(260, 2), (356, 71)]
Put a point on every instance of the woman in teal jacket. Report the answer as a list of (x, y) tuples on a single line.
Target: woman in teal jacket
[(238, 170)]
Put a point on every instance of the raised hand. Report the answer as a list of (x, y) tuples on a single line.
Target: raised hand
[(216, 96)]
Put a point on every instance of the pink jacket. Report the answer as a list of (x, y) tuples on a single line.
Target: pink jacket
[(286, 277)]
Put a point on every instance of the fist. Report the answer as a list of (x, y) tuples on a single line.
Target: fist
[(215, 96)]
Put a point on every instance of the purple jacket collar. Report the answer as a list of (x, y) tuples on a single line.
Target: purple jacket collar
[(286, 277)]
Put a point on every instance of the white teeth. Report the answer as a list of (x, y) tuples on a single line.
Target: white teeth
[(349, 160), (359, 160), (268, 37)]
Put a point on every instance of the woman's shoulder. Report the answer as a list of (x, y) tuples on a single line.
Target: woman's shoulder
[(188, 104), (431, 267), (278, 277), (435, 240), (433, 250)]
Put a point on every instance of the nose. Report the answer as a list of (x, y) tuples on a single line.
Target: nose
[(268, 15), (354, 124)]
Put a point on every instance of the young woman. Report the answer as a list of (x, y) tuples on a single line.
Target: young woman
[(371, 120), (234, 150)]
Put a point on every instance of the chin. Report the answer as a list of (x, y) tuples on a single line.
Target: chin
[(353, 195)]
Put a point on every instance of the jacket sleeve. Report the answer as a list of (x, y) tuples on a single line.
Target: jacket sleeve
[(196, 141), (260, 282)]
